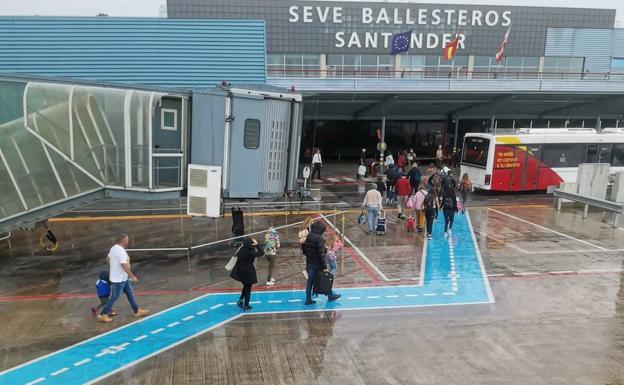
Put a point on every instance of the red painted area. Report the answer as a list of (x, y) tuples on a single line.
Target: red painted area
[(516, 170)]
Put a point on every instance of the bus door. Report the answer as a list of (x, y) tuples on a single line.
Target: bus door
[(532, 167), (518, 168)]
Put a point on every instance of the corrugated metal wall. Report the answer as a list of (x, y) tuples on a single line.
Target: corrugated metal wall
[(152, 51), (598, 46)]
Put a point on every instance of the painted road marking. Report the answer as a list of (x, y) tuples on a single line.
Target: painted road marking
[(472, 279), (82, 362), (188, 318), (547, 229), (451, 293), (275, 301), (59, 372), (173, 324), (139, 338), (38, 380), (202, 312)]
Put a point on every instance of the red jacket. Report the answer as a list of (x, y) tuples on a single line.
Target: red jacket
[(403, 187)]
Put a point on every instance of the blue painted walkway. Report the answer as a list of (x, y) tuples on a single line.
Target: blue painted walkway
[(453, 275)]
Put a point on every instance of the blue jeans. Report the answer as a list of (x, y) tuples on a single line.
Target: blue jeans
[(116, 290), (373, 213), (332, 266)]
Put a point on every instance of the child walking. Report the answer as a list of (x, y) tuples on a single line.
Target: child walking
[(334, 243), (102, 288), (271, 245)]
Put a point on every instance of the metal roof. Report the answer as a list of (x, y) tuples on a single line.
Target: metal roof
[(150, 51)]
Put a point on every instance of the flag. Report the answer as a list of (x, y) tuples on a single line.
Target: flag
[(501, 51), (400, 42), (450, 48)]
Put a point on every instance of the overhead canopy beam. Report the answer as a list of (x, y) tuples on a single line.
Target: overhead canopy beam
[(494, 103), (574, 108), (384, 104)]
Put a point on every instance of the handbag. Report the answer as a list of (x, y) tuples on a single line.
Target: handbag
[(410, 204), (232, 262), (362, 218)]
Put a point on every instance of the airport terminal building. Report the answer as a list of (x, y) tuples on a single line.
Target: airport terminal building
[(561, 67)]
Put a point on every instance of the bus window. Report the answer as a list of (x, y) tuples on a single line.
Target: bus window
[(592, 153), (617, 155), (475, 151), (563, 155), (603, 153)]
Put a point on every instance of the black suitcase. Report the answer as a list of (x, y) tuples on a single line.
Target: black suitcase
[(323, 283), (238, 222)]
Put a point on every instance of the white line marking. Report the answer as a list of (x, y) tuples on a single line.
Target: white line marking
[(188, 318), (124, 345), (59, 372), (411, 295), (173, 324), (231, 303), (486, 281), (82, 362), (598, 271), (251, 303), (357, 250), (392, 296), (139, 338), (353, 297), (202, 312), (562, 272), (547, 229), (294, 300), (429, 294), (529, 273), (33, 382), (372, 297), (495, 275), (216, 306), (157, 331), (275, 301)]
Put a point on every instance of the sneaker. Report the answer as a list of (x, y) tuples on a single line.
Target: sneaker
[(112, 314), (334, 297), (104, 318), (450, 232), (246, 307), (310, 302), (272, 279), (428, 236), (141, 313), (240, 303), (94, 312), (270, 283)]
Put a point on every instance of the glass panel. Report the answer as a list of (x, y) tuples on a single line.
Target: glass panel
[(617, 155), (460, 61), (166, 172), (334, 60), (48, 113), (369, 60), (293, 60), (617, 65), (476, 151), (139, 131), (312, 60), (563, 155), (251, 134), (386, 60), (550, 62), (513, 61), (482, 61), (275, 59)]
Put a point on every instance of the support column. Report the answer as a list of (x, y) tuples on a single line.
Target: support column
[(383, 140), (598, 124), (456, 133), (492, 122), (323, 65)]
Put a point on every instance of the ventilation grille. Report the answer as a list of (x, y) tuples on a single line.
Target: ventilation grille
[(198, 178), (197, 205)]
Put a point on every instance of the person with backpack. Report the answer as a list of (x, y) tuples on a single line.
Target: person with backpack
[(402, 160), (334, 243), (414, 177), (314, 250), (271, 245), (392, 175), (449, 207), (430, 207), (102, 288), (244, 270), (419, 200), (403, 191)]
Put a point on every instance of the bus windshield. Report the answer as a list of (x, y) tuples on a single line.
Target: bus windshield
[(475, 151)]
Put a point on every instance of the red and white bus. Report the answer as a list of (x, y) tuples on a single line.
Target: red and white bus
[(534, 159)]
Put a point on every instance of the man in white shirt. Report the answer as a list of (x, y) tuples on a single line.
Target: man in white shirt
[(317, 163), (372, 202), (439, 156), (120, 276)]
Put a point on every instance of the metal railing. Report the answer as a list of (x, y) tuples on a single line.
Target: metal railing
[(436, 74), (616, 208)]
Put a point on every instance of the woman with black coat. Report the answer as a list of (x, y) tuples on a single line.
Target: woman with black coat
[(244, 271)]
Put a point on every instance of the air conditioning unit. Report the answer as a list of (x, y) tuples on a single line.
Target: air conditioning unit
[(204, 191)]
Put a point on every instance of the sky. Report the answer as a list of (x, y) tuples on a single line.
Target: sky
[(150, 8)]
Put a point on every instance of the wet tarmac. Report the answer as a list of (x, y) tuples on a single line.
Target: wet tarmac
[(556, 280)]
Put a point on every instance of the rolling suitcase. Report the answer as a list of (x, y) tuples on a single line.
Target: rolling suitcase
[(323, 283), (410, 224), (381, 225)]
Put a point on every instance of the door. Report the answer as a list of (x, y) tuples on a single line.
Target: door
[(532, 167), (167, 152), (247, 141), (518, 168)]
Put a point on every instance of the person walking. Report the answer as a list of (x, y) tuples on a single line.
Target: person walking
[(414, 177), (439, 156), (419, 207), (411, 158), (271, 245), (465, 188), (392, 175), (317, 162), (334, 243), (315, 252), (403, 191), (244, 270), (430, 206), (372, 201), (402, 160), (449, 207), (120, 276), (304, 230), (389, 160)]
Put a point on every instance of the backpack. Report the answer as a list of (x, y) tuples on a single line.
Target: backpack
[(429, 203), (449, 202)]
